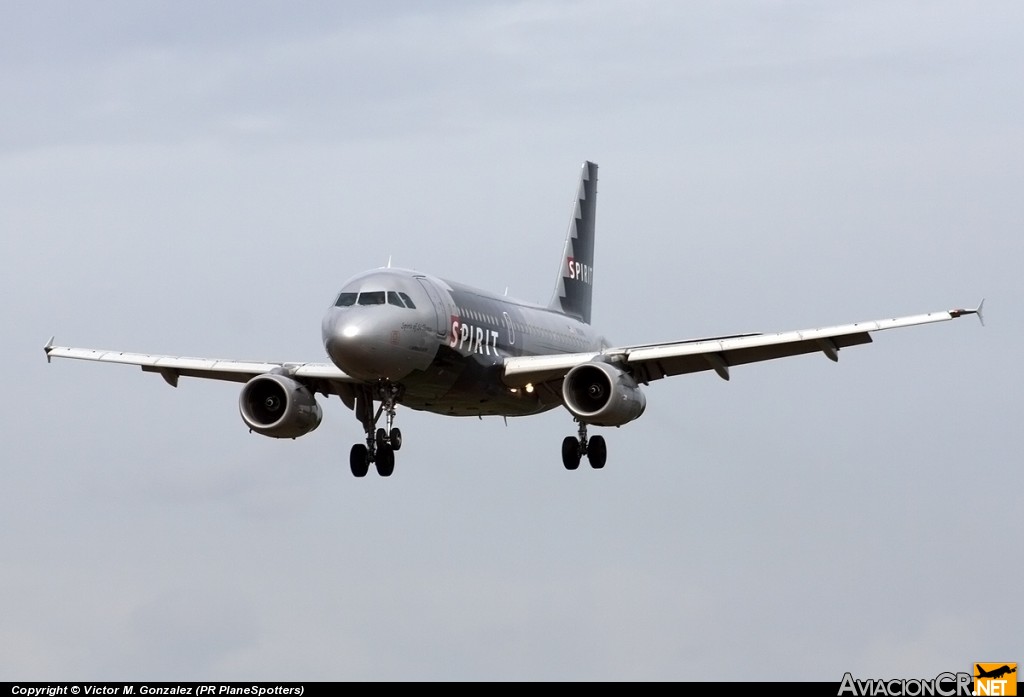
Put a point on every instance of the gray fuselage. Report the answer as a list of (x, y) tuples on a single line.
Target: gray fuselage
[(444, 342)]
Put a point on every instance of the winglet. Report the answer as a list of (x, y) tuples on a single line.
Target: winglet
[(976, 311), (49, 347)]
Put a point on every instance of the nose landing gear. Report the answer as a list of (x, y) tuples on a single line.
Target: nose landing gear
[(381, 443), (573, 450)]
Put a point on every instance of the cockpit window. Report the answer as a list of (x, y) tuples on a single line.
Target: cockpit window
[(375, 297)]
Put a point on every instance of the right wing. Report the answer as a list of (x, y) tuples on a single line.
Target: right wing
[(320, 377), (655, 361)]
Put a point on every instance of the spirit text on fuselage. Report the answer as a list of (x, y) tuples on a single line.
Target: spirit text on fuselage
[(473, 338)]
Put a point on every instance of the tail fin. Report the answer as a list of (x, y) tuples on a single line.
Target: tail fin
[(576, 273)]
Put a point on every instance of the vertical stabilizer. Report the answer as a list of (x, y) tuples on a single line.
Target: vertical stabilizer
[(575, 283)]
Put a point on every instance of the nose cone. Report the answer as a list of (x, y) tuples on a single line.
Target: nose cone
[(364, 344)]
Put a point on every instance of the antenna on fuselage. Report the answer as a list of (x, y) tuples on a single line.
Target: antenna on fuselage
[(389, 262)]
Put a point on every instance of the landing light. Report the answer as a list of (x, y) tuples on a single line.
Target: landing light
[(529, 387), (350, 331)]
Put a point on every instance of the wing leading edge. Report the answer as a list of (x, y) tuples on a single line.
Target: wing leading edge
[(321, 376), (655, 361)]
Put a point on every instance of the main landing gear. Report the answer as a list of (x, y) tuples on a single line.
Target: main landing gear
[(381, 443), (573, 450)]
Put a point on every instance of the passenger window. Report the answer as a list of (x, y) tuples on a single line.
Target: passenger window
[(372, 298), (408, 301), (346, 300), (393, 299)]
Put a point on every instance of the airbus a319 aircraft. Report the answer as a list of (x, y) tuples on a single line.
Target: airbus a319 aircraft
[(398, 337)]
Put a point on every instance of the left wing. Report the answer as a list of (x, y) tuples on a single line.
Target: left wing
[(655, 361), (322, 377)]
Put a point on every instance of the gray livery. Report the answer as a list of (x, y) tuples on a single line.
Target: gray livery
[(447, 351), (441, 346)]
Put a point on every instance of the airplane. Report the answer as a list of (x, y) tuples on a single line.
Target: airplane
[(995, 673), (400, 337)]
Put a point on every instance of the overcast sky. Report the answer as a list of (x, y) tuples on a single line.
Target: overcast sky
[(201, 178)]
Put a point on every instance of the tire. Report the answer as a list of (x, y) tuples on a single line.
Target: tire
[(385, 460), (396, 439), (570, 453), (359, 460), (597, 452), (381, 437)]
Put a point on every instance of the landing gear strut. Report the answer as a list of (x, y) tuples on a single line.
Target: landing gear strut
[(573, 450), (381, 443)]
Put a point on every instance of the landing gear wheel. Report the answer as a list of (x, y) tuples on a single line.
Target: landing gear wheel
[(359, 460), (381, 443), (597, 452), (570, 453), (385, 460)]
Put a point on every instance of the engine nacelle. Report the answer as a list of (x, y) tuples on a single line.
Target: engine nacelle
[(279, 407), (599, 393)]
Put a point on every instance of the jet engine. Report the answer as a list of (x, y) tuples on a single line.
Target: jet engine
[(599, 393), (279, 407)]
